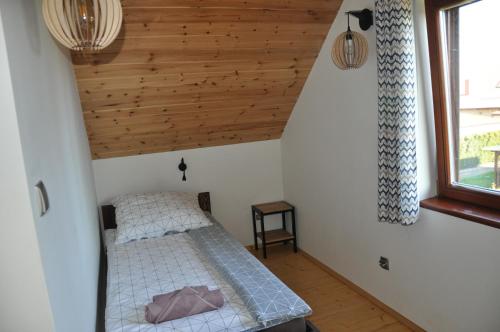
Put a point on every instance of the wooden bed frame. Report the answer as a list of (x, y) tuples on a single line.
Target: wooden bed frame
[(107, 214)]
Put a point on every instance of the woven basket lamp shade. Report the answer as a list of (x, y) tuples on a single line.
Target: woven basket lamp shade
[(83, 25), (350, 50)]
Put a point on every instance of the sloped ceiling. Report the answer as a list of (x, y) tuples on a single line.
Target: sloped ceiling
[(194, 73)]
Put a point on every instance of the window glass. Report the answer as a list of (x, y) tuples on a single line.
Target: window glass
[(472, 65)]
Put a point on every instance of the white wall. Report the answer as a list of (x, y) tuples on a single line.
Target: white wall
[(236, 176), (55, 150), (22, 274), (444, 271)]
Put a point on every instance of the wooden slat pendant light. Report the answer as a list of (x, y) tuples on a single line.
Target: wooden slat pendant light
[(350, 49), (83, 25)]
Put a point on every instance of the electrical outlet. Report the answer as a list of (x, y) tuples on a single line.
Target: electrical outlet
[(384, 262)]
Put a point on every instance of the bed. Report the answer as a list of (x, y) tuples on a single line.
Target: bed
[(133, 272)]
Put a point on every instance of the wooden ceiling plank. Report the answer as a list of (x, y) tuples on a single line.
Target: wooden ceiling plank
[(182, 79), (237, 4), (179, 130), (150, 97), (171, 89), (189, 55), (97, 129), (188, 92), (136, 118), (230, 113), (202, 143), (191, 131), (248, 102), (139, 142), (207, 43), (111, 71), (205, 99), (201, 14), (240, 29)]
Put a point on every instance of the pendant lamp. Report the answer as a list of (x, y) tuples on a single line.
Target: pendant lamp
[(83, 25), (350, 49)]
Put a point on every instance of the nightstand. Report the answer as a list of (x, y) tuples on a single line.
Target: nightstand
[(259, 211)]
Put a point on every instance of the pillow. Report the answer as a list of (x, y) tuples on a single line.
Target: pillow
[(140, 216)]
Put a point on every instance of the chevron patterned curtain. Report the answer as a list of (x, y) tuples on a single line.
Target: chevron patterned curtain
[(397, 175)]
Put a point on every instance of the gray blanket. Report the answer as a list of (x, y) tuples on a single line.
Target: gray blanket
[(268, 299)]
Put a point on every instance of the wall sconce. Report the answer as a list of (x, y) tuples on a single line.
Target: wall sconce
[(83, 25), (183, 167), (350, 49)]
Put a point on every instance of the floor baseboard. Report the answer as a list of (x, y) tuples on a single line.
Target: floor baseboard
[(402, 319), (405, 321)]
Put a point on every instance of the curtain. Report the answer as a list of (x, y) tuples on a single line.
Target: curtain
[(397, 176)]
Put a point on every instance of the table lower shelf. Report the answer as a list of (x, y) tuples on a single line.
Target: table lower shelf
[(276, 235)]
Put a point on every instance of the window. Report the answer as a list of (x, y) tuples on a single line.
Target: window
[(465, 63)]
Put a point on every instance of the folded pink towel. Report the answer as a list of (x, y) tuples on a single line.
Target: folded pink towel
[(182, 303)]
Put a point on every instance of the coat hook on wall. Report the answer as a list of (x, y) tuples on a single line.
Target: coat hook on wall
[(182, 168)]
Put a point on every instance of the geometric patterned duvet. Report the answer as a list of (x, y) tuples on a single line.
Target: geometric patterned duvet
[(138, 270)]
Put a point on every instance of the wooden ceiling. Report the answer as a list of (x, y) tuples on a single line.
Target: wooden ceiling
[(194, 73)]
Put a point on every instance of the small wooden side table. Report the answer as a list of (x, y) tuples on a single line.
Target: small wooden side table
[(259, 211)]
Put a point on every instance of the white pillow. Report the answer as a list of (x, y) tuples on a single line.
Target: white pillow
[(140, 216)]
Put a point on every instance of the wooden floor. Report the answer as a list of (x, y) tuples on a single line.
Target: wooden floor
[(336, 307)]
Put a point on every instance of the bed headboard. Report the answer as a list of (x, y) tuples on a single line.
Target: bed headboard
[(108, 211)]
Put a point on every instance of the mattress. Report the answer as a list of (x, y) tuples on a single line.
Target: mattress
[(139, 270)]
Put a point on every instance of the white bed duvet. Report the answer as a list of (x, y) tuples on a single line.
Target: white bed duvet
[(140, 269)]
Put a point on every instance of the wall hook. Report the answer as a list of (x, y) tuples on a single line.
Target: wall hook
[(182, 168)]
